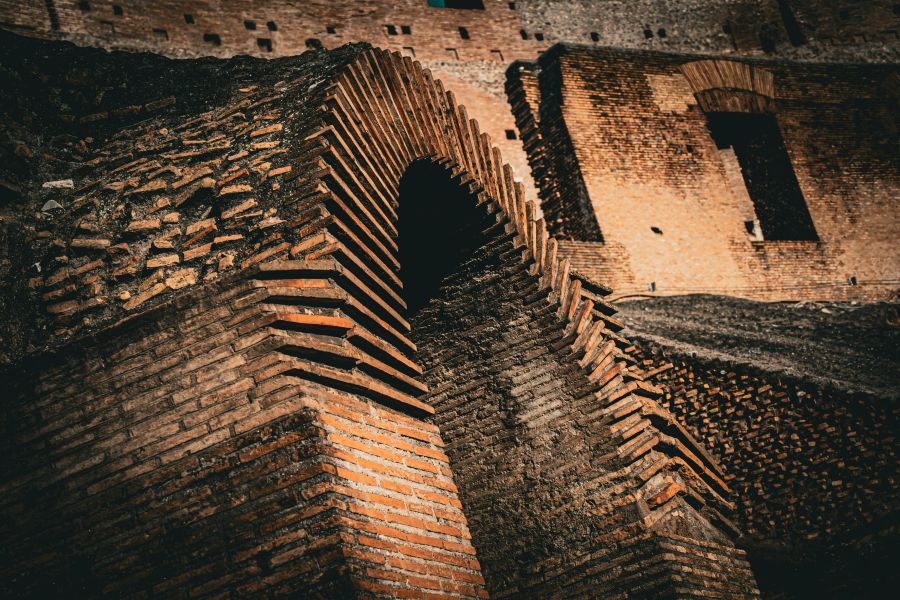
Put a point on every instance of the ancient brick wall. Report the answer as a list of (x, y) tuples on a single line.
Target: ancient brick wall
[(302, 338), (814, 470), (672, 205), (174, 455), (467, 48)]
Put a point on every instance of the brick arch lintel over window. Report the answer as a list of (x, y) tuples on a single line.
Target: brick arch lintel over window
[(730, 86)]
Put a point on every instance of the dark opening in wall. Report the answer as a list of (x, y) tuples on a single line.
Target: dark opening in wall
[(512, 6), (212, 38), (440, 227), (510, 134), (844, 15), (251, 25), (539, 36), (661, 32), (271, 26), (331, 29), (648, 34), (524, 34), (117, 10), (595, 37), (189, 19), (767, 42), (84, 6), (406, 30), (265, 44), (896, 8), (464, 33), (160, 34), (391, 29), (313, 43), (656, 230), (852, 280), (791, 25), (767, 172), (471, 4), (726, 28)]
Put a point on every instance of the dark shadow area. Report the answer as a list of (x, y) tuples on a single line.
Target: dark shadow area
[(768, 173), (440, 226)]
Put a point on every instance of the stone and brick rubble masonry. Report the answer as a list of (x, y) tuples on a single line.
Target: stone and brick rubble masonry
[(633, 185), (214, 384), (798, 402), (495, 35)]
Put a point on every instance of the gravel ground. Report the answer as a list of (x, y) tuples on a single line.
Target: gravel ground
[(849, 346)]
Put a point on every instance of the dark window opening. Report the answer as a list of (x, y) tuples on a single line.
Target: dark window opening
[(656, 230), (251, 25), (524, 34), (750, 226), (595, 37), (767, 42), (212, 38), (845, 15), (896, 8), (852, 280), (265, 44), (512, 6), (791, 25), (313, 43), (160, 34), (726, 28), (437, 236), (331, 29), (117, 10), (84, 6), (648, 34), (271, 26), (661, 32), (406, 30), (510, 134), (464, 33), (189, 19), (470, 4), (539, 37), (391, 29), (767, 172), (651, 287)]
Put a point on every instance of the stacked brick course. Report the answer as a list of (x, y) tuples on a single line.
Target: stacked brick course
[(261, 424), (630, 174), (814, 469)]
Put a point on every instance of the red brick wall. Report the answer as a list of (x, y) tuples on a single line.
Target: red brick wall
[(644, 157), (322, 335), (173, 455)]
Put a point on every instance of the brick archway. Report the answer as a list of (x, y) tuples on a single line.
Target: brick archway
[(266, 423)]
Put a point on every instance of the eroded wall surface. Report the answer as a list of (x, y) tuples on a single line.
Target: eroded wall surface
[(630, 173)]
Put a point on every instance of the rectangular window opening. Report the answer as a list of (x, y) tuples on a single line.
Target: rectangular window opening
[(250, 25), (189, 19), (265, 44), (117, 10), (161, 34), (767, 172), (464, 33), (406, 30), (212, 38)]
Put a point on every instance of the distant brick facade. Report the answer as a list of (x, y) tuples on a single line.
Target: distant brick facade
[(633, 180)]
